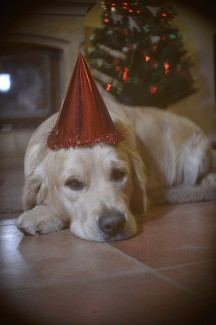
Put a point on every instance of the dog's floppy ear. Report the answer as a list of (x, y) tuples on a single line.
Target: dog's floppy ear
[(139, 197), (36, 184), (35, 189)]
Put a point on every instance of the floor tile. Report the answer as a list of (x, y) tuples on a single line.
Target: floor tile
[(165, 275), (173, 235), (45, 260), (144, 299), (199, 277)]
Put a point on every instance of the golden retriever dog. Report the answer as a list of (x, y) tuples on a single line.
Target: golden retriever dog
[(102, 191)]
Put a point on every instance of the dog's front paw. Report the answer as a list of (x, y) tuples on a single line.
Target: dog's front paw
[(39, 220)]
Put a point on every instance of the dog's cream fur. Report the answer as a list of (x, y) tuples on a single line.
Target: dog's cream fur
[(165, 158)]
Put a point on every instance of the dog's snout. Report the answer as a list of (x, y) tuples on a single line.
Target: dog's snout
[(112, 223)]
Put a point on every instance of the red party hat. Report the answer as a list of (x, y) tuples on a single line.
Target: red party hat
[(83, 118)]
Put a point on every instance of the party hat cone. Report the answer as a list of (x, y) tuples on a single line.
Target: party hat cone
[(83, 119)]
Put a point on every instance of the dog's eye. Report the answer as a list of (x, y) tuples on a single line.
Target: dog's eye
[(118, 175), (74, 184)]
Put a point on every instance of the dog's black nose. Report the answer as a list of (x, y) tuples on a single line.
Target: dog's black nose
[(112, 223)]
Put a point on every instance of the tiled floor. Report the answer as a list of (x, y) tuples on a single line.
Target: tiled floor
[(166, 275)]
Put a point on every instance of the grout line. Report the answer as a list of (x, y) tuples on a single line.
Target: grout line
[(178, 266), (160, 275)]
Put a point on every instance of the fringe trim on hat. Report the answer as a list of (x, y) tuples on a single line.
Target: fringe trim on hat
[(57, 140)]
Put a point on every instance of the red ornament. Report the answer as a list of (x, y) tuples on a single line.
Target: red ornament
[(166, 68), (125, 74), (83, 119), (108, 87), (126, 32), (154, 89)]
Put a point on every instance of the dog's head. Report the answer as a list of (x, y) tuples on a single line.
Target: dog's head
[(98, 189)]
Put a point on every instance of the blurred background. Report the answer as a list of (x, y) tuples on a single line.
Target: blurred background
[(168, 49)]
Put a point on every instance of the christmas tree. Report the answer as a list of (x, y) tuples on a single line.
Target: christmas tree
[(138, 55)]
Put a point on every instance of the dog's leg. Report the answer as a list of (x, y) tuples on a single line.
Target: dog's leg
[(183, 194), (209, 180), (40, 220), (199, 161)]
